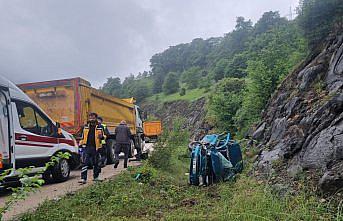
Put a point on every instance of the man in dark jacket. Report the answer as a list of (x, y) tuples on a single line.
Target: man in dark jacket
[(123, 142), (91, 142)]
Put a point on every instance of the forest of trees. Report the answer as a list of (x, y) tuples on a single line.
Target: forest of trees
[(241, 69)]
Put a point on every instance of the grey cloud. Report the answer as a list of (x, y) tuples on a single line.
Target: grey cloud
[(95, 39)]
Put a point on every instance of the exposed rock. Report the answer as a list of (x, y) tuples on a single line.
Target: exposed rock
[(294, 170), (304, 126), (332, 179), (308, 75), (193, 113), (258, 134)]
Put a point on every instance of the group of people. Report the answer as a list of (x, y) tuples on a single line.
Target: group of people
[(93, 146)]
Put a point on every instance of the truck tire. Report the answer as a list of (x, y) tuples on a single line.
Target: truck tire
[(110, 151), (132, 150), (61, 171)]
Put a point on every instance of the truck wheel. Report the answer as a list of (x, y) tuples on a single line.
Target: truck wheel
[(61, 171), (110, 151), (132, 150)]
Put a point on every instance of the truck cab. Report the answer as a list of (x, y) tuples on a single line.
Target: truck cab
[(29, 138)]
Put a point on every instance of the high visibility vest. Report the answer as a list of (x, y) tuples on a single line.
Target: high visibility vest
[(98, 141), (103, 142)]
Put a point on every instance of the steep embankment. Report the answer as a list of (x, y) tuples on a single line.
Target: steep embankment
[(193, 112), (302, 126)]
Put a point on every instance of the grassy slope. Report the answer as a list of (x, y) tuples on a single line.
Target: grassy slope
[(190, 95), (164, 194)]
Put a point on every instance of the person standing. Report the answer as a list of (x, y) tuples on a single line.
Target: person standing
[(91, 142), (123, 142), (103, 150)]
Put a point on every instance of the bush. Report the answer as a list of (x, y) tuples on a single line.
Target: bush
[(168, 143), (183, 91), (171, 83), (224, 103)]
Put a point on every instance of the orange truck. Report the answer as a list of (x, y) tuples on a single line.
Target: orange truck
[(69, 101), (152, 129)]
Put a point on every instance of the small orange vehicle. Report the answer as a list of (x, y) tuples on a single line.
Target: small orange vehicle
[(152, 129)]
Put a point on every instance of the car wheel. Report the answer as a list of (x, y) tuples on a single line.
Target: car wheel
[(61, 171), (47, 176)]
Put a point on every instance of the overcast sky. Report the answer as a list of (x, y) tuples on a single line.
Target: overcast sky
[(95, 39)]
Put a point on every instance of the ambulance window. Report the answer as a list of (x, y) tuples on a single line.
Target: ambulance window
[(32, 120), (27, 117), (45, 127)]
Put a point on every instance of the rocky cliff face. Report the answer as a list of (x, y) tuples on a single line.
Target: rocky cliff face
[(192, 112), (302, 125)]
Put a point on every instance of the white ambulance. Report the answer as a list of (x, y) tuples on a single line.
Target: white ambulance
[(29, 138)]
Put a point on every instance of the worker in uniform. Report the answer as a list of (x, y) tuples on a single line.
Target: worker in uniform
[(103, 150), (123, 142), (91, 142)]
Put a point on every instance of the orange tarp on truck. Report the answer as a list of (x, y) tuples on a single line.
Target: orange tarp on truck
[(69, 102)]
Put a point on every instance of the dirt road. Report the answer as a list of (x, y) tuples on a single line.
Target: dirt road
[(55, 191)]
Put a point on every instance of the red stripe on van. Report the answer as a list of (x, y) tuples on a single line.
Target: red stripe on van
[(43, 139), (65, 141), (31, 144)]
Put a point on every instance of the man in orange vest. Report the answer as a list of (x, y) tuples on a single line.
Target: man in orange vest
[(91, 142)]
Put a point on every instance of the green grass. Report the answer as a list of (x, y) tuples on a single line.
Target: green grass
[(163, 193), (190, 95)]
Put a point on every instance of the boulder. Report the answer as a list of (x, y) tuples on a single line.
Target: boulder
[(258, 134), (332, 180)]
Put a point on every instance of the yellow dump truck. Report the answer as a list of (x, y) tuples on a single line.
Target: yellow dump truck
[(152, 129), (69, 101)]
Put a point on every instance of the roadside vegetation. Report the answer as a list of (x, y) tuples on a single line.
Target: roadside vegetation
[(159, 190), (190, 95), (28, 182)]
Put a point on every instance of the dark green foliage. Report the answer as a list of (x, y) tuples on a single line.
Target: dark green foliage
[(318, 18), (191, 77), (113, 87), (218, 71), (183, 91), (268, 21), (171, 84), (236, 67), (272, 56), (224, 103), (139, 87)]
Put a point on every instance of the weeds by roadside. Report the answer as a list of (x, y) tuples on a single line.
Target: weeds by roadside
[(159, 191)]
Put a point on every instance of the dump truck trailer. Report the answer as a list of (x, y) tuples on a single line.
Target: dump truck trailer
[(152, 130), (69, 102)]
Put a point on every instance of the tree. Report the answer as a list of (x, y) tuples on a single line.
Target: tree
[(268, 21), (272, 56), (113, 87), (224, 102), (218, 72), (141, 91), (318, 18), (182, 92), (191, 77), (236, 67), (171, 84)]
